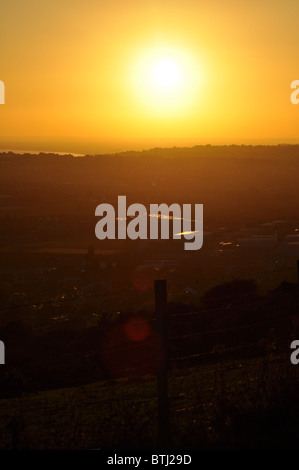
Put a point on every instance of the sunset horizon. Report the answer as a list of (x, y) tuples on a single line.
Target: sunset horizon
[(132, 77), (149, 228)]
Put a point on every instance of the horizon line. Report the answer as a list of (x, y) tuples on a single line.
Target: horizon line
[(145, 150)]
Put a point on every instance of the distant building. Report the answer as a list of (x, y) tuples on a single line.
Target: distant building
[(258, 241), (292, 238), (290, 248)]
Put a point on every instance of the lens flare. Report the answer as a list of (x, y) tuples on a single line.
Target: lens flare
[(137, 329)]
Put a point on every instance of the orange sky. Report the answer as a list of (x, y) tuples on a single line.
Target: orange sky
[(77, 73)]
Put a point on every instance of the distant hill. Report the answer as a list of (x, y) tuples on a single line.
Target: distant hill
[(235, 183)]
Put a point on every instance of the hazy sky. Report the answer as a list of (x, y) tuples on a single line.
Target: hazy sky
[(146, 73)]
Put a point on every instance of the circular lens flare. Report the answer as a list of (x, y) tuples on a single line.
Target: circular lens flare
[(137, 329)]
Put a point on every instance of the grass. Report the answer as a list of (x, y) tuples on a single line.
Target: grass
[(211, 406)]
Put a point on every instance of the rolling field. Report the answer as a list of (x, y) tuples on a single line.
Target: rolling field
[(210, 407)]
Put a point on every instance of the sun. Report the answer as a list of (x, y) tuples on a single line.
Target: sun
[(165, 80), (166, 74)]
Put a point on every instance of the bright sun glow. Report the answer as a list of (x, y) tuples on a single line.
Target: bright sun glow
[(166, 73), (165, 81)]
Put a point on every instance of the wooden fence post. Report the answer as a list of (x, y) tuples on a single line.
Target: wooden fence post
[(163, 405)]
